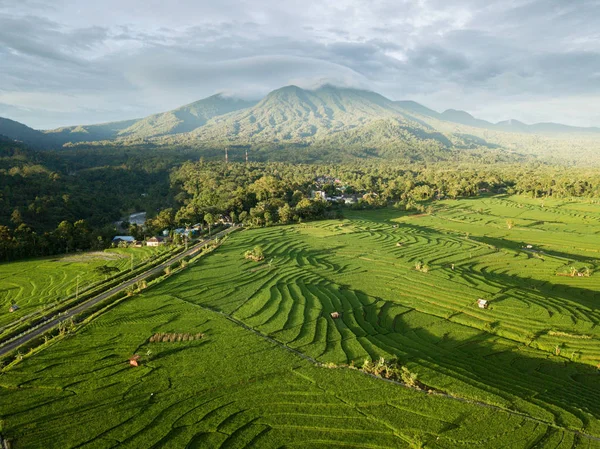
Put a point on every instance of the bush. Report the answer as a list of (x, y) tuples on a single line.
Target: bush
[(256, 254)]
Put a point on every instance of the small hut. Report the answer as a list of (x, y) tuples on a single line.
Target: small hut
[(335, 315), (482, 303), (134, 361), (13, 308)]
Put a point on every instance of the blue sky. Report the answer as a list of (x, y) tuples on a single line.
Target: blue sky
[(67, 62)]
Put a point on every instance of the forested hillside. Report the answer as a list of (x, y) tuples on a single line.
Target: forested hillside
[(327, 124)]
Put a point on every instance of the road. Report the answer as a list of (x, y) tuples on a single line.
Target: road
[(52, 322)]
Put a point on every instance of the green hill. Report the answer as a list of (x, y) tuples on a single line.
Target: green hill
[(17, 131), (294, 114), (327, 120), (184, 119), (88, 133)]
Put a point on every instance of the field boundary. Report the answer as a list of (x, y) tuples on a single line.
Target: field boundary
[(395, 382), (42, 328)]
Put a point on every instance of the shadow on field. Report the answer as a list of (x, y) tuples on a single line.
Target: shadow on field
[(585, 300), (561, 388), (481, 365), (518, 245)]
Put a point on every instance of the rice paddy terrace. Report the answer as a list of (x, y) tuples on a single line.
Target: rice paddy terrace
[(32, 284), (522, 373)]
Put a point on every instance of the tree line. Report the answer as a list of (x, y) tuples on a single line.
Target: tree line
[(53, 203)]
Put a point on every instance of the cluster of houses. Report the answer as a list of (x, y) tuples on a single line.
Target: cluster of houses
[(165, 236), (132, 242), (347, 199), (323, 181)]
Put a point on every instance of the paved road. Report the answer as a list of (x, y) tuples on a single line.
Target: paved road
[(102, 296)]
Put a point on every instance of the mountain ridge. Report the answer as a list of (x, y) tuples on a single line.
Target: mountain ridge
[(288, 114)]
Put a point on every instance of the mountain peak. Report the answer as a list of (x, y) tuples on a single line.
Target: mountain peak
[(457, 113)]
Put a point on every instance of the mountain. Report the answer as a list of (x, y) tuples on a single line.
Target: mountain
[(329, 117), (462, 117), (543, 128), (88, 133), (180, 120), (416, 108), (294, 114), (23, 133), (184, 119)]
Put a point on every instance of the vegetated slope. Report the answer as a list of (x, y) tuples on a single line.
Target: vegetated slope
[(351, 121), (294, 114), (88, 133), (184, 119), (327, 119), (230, 389), (180, 120), (13, 130), (511, 125), (16, 155)]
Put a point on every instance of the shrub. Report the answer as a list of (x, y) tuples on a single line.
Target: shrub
[(256, 254)]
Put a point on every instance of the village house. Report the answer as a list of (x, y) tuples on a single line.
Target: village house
[(155, 241), (482, 303), (349, 199)]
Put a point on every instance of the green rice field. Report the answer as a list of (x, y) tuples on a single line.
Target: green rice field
[(274, 369), (32, 284)]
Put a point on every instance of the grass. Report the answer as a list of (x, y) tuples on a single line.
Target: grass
[(35, 283), (236, 388)]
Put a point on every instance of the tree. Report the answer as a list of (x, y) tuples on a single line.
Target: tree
[(209, 219), (106, 270), (285, 213), (164, 220), (64, 231), (16, 217)]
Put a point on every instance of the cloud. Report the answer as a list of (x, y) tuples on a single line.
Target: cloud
[(67, 62)]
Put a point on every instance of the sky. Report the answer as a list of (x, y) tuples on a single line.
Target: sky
[(67, 62)]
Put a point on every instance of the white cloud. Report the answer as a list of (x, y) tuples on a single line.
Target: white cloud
[(71, 62)]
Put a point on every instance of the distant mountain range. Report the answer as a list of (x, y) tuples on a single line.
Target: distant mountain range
[(328, 115)]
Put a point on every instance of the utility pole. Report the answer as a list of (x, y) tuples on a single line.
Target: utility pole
[(132, 262), (246, 156), (77, 289), (226, 158)]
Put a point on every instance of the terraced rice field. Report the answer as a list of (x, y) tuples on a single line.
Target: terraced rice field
[(34, 283), (528, 363)]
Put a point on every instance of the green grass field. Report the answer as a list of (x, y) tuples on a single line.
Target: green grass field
[(528, 363), (32, 284)]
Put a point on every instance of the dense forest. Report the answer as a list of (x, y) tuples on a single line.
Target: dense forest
[(56, 202)]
